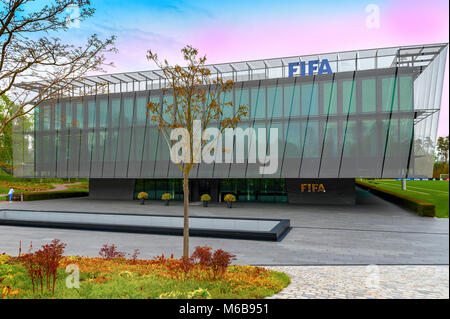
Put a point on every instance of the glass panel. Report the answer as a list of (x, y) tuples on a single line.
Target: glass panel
[(311, 146), (79, 116), (406, 93), (227, 109), (242, 98), (91, 114), (154, 99), (369, 143), (103, 110), (115, 112), (274, 102), (310, 99), (141, 111), (406, 135), (330, 98), (390, 99), (68, 115), (45, 117), (350, 140), (348, 97), (127, 112), (168, 101), (58, 116), (291, 101), (330, 148), (292, 140), (258, 108), (369, 95)]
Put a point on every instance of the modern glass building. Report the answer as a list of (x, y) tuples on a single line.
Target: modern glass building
[(367, 113)]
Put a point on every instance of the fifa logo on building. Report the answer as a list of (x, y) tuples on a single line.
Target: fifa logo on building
[(312, 188)]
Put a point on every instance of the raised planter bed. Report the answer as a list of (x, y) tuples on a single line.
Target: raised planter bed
[(416, 205)]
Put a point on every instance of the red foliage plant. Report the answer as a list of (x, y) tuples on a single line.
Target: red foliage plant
[(202, 256), (42, 265), (111, 252), (218, 261), (134, 257)]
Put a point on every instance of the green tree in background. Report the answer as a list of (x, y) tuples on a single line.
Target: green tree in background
[(442, 148), (6, 137)]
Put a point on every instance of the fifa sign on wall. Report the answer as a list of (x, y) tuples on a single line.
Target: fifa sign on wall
[(309, 68)]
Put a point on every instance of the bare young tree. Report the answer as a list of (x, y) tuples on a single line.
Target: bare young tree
[(197, 96), (29, 55)]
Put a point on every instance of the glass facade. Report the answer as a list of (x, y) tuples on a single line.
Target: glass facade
[(376, 123)]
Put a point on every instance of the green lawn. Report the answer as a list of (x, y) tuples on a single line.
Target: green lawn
[(21, 185), (434, 192)]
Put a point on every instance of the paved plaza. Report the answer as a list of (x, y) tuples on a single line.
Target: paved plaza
[(365, 282), (371, 232)]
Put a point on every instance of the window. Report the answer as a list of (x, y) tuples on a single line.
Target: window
[(103, 112), (292, 139), (91, 114), (331, 139), (350, 139), (258, 108), (127, 112), (348, 97), (274, 102), (45, 117), (406, 93), (369, 95), (291, 101), (68, 115), (242, 98), (310, 101), (389, 93), (227, 109), (115, 112), (168, 101), (78, 115), (153, 99), (311, 146), (369, 143), (330, 98), (58, 116), (141, 111)]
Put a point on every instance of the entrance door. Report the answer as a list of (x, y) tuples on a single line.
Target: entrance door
[(198, 187)]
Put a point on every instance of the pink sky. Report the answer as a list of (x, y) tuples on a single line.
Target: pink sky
[(242, 30)]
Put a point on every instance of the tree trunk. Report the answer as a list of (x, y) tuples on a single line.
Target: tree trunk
[(404, 184), (186, 216)]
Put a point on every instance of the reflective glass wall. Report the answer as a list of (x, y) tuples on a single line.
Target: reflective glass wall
[(342, 125)]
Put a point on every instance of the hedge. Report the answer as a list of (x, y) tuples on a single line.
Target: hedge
[(420, 207), (49, 195)]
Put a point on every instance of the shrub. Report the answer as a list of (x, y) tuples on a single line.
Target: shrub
[(205, 198), (110, 252), (42, 265), (134, 257), (142, 195), (166, 196), (230, 198), (202, 255), (53, 195), (220, 262), (217, 262)]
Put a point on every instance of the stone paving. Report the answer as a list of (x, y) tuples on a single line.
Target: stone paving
[(365, 282)]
